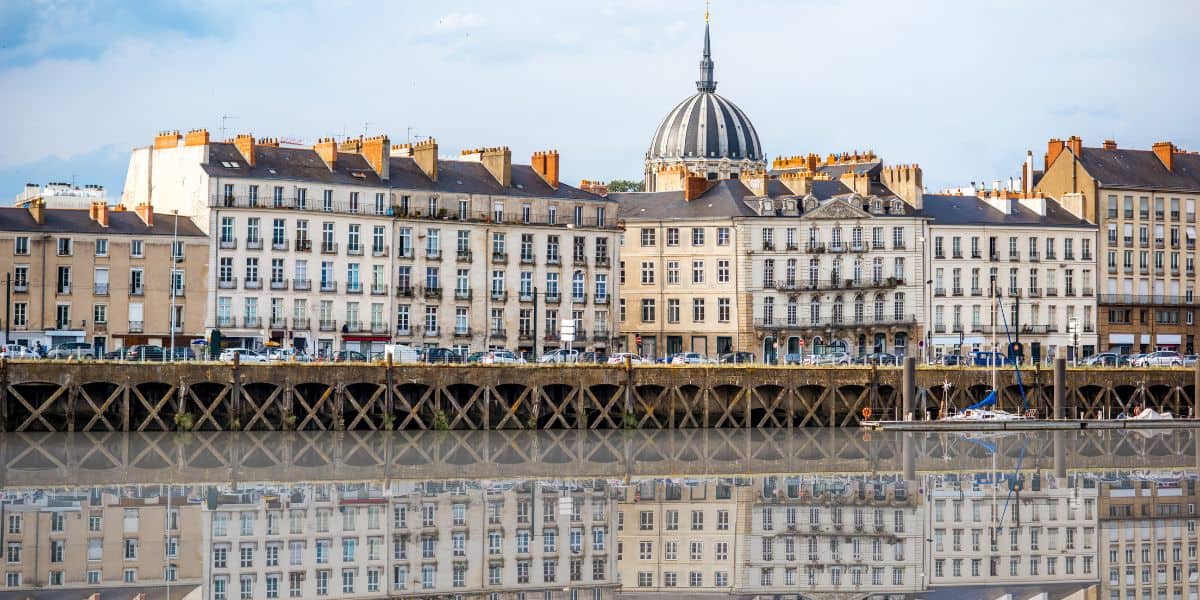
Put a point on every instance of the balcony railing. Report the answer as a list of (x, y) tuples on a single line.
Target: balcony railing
[(378, 289), (809, 285), (354, 287), (354, 249), (1145, 299), (137, 326), (553, 259), (329, 287), (137, 290), (1053, 291), (1014, 256), (603, 261), (497, 333), (956, 291), (303, 245), (100, 289), (462, 331), (1035, 292), (301, 285), (301, 323), (326, 325), (352, 326), (379, 328), (279, 284), (976, 291), (1034, 257), (939, 291), (404, 252), (278, 323), (403, 331), (579, 261), (553, 298), (226, 321), (378, 251), (1087, 291), (579, 299), (499, 295), (600, 333), (600, 298), (20, 286), (251, 322), (867, 322), (433, 253), (279, 244), (500, 257), (463, 256), (329, 247), (404, 291), (433, 291), (229, 244), (252, 284), (254, 243), (525, 296)]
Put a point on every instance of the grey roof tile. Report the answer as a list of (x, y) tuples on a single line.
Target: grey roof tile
[(1142, 169), (77, 220), (944, 209)]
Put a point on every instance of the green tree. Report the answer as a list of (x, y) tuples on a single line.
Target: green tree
[(626, 185)]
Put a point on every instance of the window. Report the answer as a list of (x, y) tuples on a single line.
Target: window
[(697, 271), (648, 236), (647, 272), (21, 245)]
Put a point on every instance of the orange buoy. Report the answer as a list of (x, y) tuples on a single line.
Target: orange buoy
[(866, 412)]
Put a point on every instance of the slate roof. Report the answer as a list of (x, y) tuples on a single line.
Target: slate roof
[(945, 209), (723, 199), (76, 220), (454, 176), (1141, 169)]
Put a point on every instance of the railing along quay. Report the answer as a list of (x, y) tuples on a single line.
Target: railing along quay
[(203, 396)]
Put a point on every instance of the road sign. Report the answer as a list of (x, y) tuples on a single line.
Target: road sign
[(567, 330), (638, 340), (801, 342)]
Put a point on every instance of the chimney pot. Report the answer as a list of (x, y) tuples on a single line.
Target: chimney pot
[(1165, 151), (546, 165), (1110, 144), (145, 212), (326, 148), (245, 145)]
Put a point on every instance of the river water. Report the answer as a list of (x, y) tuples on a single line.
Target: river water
[(598, 515)]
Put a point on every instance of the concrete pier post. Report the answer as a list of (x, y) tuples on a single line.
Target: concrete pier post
[(908, 449), (909, 389), (388, 400), (1060, 387), (1196, 391), (1060, 454)]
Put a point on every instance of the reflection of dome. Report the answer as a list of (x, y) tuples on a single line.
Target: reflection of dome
[(707, 133), (706, 125)]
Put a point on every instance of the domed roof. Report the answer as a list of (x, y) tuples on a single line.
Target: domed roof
[(706, 125)]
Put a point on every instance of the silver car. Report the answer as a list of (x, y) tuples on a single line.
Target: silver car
[(1162, 358), (72, 350)]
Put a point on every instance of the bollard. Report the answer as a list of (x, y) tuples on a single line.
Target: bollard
[(1060, 387), (909, 389)]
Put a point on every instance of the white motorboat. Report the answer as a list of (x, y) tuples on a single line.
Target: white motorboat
[(981, 414)]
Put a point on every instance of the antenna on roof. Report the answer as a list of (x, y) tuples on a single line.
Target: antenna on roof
[(223, 119)]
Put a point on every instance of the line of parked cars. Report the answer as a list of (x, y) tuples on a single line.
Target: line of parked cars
[(1159, 358)]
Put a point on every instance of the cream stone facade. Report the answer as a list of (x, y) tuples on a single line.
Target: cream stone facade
[(412, 540), (359, 244), (102, 276), (1148, 539), (97, 538), (1042, 260)]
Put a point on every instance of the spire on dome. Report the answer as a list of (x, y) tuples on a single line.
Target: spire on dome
[(706, 83)]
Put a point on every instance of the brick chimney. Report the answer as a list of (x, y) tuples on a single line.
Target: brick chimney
[(196, 137), (245, 144), (1076, 145), (905, 181), (424, 153), (166, 139), (1053, 149), (145, 212), (378, 152), (546, 165), (597, 187), (756, 180), (694, 187), (268, 142), (1164, 152), (326, 148), (497, 160), (37, 210), (99, 213), (1110, 144)]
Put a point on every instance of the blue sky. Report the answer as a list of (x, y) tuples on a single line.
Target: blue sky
[(963, 88)]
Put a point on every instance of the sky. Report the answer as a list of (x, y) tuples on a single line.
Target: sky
[(962, 88)]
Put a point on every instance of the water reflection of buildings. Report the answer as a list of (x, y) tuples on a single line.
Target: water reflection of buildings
[(1148, 536), (418, 540)]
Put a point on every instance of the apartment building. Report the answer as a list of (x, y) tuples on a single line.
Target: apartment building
[(116, 539), (419, 540), (858, 536), (814, 257), (1038, 259), (356, 244), (680, 537), (102, 275), (1148, 538), (1004, 529), (1144, 202)]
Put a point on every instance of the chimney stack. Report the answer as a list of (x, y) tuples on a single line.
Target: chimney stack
[(1110, 144), (596, 187), (1076, 145), (166, 139), (99, 213), (326, 148), (37, 210), (196, 137), (145, 212), (1053, 149), (424, 153), (907, 182), (377, 151), (245, 144), (497, 160), (756, 180), (1164, 152), (694, 186), (546, 165)]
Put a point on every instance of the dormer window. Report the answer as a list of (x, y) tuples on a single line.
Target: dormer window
[(767, 207), (898, 207), (788, 206), (877, 206), (810, 204)]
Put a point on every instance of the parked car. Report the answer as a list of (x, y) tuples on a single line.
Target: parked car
[(287, 355), (245, 355), (145, 352), (560, 356), (598, 358), (1103, 359), (501, 357), (442, 355), (888, 359), (475, 358), (688, 358), (16, 351), (349, 356), (1162, 358), (832, 358), (1189, 360), (1130, 360), (71, 350), (980, 358), (619, 359), (181, 353), (737, 358)]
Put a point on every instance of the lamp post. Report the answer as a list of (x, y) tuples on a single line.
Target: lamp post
[(171, 281)]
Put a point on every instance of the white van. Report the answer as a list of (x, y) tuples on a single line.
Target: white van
[(401, 354)]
